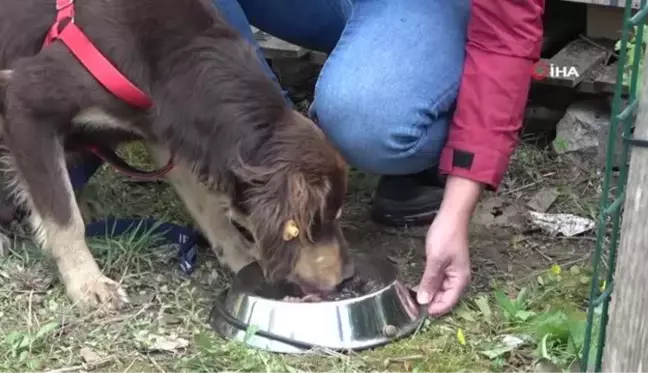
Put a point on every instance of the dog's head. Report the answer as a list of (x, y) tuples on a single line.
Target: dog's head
[(294, 204)]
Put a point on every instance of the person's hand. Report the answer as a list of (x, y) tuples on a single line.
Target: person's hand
[(447, 265)]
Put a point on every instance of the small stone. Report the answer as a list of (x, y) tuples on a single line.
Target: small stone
[(542, 200), (170, 320), (88, 355), (141, 298), (545, 366), (579, 129)]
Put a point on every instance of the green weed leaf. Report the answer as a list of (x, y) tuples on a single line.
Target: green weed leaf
[(250, 332), (521, 299), (484, 308), (46, 329), (524, 315), (506, 305)]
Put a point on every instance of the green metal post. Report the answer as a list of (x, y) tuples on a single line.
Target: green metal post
[(607, 209)]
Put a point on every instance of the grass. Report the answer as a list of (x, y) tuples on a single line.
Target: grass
[(525, 306)]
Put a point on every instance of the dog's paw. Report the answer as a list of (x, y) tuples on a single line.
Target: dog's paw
[(98, 292)]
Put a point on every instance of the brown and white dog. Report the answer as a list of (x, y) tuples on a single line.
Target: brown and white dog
[(241, 154)]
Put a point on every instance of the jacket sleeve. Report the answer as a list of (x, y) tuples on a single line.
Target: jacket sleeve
[(504, 42)]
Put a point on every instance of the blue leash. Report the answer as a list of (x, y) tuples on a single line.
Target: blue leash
[(186, 238)]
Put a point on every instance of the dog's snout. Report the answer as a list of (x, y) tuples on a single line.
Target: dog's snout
[(320, 267)]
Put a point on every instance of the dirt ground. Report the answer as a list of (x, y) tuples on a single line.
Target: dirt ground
[(165, 327)]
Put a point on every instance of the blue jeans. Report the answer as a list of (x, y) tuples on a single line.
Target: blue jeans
[(386, 94)]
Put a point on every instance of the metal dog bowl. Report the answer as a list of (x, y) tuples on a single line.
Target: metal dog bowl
[(370, 320)]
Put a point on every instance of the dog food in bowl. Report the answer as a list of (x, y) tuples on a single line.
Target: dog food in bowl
[(366, 280), (351, 288)]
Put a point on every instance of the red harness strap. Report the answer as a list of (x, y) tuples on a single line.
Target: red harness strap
[(102, 70)]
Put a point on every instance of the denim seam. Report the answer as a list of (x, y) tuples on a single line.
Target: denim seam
[(335, 50), (338, 9), (447, 92)]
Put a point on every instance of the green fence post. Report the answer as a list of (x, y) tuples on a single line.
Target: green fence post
[(610, 208)]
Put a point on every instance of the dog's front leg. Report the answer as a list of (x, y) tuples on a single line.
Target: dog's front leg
[(42, 183), (210, 210)]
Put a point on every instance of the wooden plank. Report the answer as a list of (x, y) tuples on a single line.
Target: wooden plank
[(626, 352), (604, 22), (612, 3), (597, 79), (588, 85), (606, 81), (602, 80), (273, 47), (578, 55), (317, 58)]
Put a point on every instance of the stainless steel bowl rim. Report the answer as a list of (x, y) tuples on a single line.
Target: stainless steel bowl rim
[(273, 324), (219, 311), (374, 293)]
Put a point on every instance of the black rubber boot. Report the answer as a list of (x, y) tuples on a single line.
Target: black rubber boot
[(408, 200)]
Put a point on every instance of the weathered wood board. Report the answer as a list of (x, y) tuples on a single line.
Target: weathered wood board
[(601, 80), (626, 339), (317, 58), (273, 47), (604, 22), (615, 3)]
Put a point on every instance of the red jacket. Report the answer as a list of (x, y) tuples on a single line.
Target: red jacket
[(504, 42)]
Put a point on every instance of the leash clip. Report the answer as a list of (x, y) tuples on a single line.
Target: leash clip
[(188, 252), (187, 259)]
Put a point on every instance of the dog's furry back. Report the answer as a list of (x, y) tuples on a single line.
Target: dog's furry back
[(153, 44), (214, 108)]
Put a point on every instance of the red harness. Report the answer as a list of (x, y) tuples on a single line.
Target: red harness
[(91, 58)]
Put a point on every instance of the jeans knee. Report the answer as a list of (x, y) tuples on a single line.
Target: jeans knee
[(379, 133)]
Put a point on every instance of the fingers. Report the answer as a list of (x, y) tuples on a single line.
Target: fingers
[(448, 296), (430, 282)]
